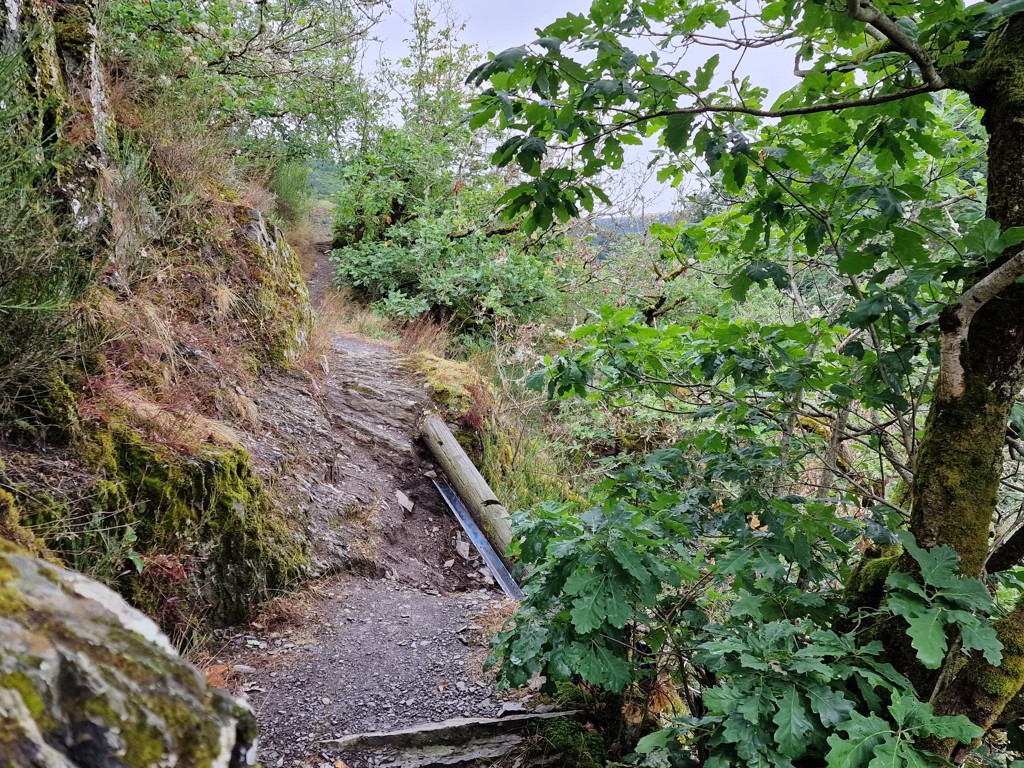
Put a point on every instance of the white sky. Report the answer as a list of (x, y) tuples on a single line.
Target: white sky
[(491, 25), (494, 25)]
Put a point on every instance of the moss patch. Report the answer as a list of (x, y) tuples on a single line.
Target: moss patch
[(571, 743), (281, 302), (456, 387), (212, 542), (37, 708), (13, 537), (866, 585)]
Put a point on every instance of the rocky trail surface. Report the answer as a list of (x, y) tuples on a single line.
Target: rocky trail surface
[(392, 633)]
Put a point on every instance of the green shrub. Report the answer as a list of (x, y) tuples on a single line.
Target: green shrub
[(469, 280), (290, 184)]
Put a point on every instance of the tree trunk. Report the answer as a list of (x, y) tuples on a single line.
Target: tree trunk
[(956, 479)]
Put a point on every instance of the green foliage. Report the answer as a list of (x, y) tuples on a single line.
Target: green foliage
[(282, 73), (944, 598), (871, 740), (470, 280), (44, 267), (852, 219), (290, 183), (415, 228)]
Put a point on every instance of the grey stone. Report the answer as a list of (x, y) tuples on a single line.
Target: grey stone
[(86, 681)]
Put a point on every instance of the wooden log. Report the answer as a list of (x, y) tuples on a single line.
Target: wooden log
[(476, 494)]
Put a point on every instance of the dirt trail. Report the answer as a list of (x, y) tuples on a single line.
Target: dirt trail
[(389, 637)]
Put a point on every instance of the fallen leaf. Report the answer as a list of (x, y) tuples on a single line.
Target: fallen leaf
[(217, 675)]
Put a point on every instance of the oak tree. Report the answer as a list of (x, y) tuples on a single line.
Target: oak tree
[(863, 170)]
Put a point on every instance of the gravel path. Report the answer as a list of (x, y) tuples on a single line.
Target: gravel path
[(394, 637), (368, 655)]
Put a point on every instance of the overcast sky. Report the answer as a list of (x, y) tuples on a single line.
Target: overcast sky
[(494, 25)]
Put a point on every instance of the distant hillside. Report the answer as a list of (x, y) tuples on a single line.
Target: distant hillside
[(634, 225)]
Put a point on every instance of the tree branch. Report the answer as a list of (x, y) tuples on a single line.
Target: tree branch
[(865, 11), (955, 323), (1009, 554)]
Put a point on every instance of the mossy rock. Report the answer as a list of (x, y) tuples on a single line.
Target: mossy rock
[(87, 680), (284, 312), (456, 387), (207, 515)]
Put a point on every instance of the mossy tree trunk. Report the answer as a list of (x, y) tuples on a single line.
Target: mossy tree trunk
[(956, 479)]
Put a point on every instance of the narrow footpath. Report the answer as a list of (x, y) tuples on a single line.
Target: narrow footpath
[(398, 635)]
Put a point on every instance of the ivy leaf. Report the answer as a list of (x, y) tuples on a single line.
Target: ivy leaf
[(793, 724)]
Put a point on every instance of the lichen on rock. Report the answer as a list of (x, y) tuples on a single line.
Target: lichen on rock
[(86, 681), (282, 305)]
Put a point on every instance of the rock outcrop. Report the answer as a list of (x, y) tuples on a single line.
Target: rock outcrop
[(86, 681)]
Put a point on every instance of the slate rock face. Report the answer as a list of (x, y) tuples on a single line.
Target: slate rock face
[(86, 681)]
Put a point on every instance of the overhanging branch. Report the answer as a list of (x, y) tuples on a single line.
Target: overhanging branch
[(865, 11)]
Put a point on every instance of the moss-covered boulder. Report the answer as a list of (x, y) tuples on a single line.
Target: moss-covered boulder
[(281, 303), (88, 682), (458, 389), (212, 542)]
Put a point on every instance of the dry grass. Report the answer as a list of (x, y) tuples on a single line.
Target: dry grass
[(141, 329), (491, 621), (190, 161), (223, 298), (254, 194), (337, 314), (173, 426), (425, 335)]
